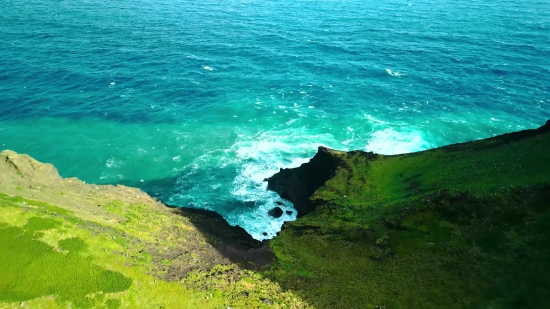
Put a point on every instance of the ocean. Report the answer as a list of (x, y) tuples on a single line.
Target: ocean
[(197, 102)]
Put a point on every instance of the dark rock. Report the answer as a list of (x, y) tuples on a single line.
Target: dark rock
[(267, 301), (232, 242), (214, 226), (265, 233), (279, 203), (276, 212), (289, 212), (298, 184)]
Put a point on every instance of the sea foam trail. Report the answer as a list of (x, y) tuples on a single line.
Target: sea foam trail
[(390, 141)]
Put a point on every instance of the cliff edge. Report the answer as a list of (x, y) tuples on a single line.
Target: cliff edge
[(66, 243), (460, 226)]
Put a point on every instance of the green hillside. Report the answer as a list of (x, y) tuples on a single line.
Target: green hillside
[(462, 226)]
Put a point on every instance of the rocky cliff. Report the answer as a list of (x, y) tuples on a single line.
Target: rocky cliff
[(299, 184)]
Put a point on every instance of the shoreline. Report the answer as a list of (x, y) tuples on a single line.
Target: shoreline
[(449, 218)]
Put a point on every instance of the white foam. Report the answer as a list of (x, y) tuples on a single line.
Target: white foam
[(208, 68), (113, 163), (244, 199), (261, 159), (390, 141), (374, 120), (392, 73)]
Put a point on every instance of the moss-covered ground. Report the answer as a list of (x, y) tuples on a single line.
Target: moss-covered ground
[(463, 226), (27, 261)]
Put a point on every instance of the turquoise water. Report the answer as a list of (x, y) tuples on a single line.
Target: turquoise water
[(196, 102)]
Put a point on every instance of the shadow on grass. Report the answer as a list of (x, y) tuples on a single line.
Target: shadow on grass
[(232, 242)]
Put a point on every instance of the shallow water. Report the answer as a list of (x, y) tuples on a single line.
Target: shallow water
[(196, 102)]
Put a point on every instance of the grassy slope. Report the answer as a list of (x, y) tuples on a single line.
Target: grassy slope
[(52, 258), (464, 226)]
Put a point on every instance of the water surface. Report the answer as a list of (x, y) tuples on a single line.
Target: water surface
[(196, 102)]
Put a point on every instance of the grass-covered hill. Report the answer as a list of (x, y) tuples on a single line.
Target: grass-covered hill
[(462, 226)]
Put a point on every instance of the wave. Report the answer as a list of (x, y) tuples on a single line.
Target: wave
[(391, 141), (231, 182), (392, 73)]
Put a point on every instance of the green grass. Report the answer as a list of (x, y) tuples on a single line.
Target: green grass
[(465, 226), (41, 224), (113, 303), (30, 268), (16, 201), (73, 244)]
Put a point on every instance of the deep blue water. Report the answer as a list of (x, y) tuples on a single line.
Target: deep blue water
[(196, 102)]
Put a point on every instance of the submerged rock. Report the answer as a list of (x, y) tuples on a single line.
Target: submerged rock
[(276, 212)]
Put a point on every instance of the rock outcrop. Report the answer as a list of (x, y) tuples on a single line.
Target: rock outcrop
[(298, 184)]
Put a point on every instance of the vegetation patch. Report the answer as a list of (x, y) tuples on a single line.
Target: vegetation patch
[(73, 244), (160, 252), (113, 303), (17, 201), (41, 224), (30, 269)]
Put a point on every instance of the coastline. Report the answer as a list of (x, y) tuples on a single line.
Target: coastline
[(431, 228)]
